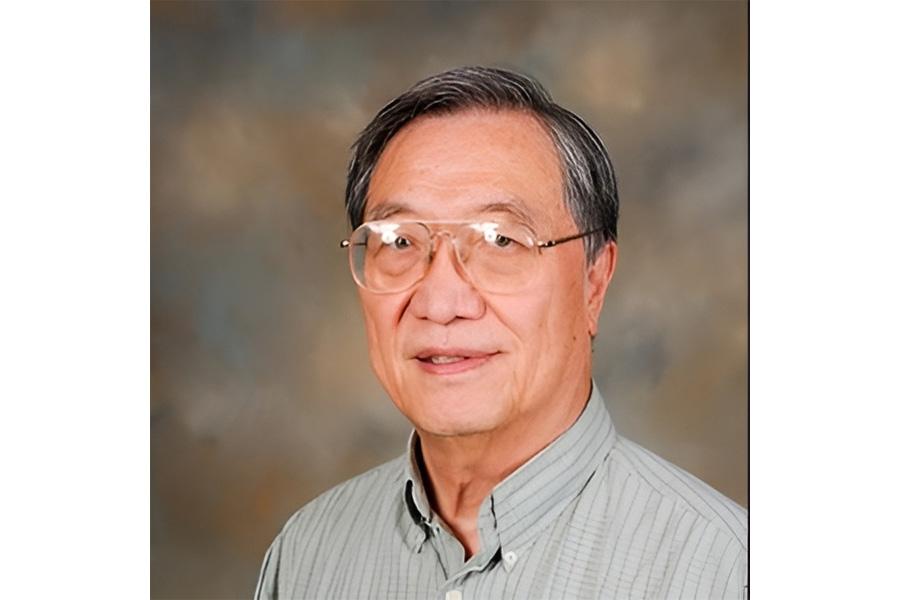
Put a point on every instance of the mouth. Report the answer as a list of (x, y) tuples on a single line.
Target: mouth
[(451, 361)]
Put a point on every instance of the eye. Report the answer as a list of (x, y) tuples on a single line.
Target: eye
[(501, 241), (401, 243)]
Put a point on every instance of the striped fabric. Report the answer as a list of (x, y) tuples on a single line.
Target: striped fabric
[(592, 515)]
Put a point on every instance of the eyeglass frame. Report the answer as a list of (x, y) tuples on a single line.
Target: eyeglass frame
[(345, 243)]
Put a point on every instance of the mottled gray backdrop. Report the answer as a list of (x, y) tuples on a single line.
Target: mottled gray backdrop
[(261, 393)]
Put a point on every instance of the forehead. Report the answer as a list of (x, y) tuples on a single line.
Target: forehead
[(463, 165)]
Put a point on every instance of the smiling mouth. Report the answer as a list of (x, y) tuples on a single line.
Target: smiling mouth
[(444, 360), (451, 364)]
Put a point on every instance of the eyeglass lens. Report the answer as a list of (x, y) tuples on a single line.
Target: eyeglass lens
[(393, 256)]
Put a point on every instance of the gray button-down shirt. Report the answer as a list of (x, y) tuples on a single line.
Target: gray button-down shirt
[(593, 515)]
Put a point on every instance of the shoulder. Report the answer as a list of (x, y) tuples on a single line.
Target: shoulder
[(679, 534), (314, 541), (688, 495), (375, 487)]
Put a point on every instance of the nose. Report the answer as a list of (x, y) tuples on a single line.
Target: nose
[(446, 294)]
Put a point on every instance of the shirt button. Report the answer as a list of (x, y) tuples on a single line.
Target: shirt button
[(453, 595), (510, 558)]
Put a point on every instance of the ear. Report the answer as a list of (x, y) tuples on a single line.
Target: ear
[(599, 274)]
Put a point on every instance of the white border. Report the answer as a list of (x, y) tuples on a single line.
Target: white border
[(74, 309), (824, 300)]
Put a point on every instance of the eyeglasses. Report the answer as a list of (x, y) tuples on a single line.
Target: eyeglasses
[(392, 256)]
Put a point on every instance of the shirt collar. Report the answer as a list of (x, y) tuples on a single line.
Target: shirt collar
[(530, 498)]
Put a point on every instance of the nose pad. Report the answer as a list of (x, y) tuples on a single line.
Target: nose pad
[(457, 256)]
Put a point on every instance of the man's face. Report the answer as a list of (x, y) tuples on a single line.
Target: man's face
[(521, 352)]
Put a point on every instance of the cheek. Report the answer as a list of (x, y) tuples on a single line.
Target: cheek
[(554, 321), (528, 317), (570, 315), (381, 315)]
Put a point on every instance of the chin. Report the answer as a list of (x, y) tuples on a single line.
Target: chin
[(455, 412), (442, 428)]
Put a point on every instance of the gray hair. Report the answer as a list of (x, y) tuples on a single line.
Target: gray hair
[(591, 194)]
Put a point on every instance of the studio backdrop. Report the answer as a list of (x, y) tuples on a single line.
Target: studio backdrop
[(262, 396)]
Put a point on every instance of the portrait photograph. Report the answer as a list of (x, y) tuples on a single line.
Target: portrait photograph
[(485, 261)]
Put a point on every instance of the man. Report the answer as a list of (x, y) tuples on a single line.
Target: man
[(484, 241)]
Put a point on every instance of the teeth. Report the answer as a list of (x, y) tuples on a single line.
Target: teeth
[(444, 360)]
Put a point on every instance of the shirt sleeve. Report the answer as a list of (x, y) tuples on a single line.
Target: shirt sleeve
[(737, 586), (267, 585)]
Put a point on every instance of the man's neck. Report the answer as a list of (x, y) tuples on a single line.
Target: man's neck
[(461, 471)]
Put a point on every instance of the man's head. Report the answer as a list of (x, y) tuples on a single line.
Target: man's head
[(590, 182), (485, 145)]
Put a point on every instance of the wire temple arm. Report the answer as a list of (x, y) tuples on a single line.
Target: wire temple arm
[(569, 238), (345, 243)]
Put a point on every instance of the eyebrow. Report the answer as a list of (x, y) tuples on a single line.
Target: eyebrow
[(387, 209), (512, 206)]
